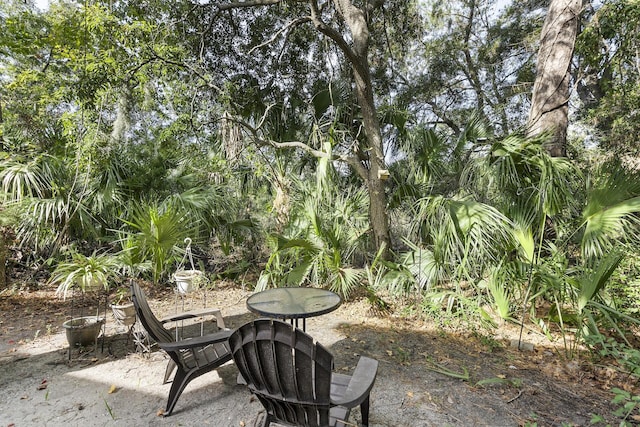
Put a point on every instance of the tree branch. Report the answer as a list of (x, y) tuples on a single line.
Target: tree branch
[(374, 4), (291, 24), (252, 3), (357, 165), (443, 117), (135, 69), (49, 58), (191, 69), (332, 34), (351, 160)]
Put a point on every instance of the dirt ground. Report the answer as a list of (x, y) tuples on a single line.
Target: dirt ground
[(426, 376)]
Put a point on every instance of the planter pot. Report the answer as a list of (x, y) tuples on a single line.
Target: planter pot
[(185, 279), (125, 314), (83, 331)]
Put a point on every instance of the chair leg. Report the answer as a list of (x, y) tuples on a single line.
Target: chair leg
[(171, 365), (266, 421), (180, 381), (364, 410)]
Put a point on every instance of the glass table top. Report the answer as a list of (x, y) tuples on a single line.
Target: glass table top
[(293, 303)]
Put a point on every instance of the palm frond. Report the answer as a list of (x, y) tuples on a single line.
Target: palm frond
[(21, 180), (346, 280), (424, 267), (497, 287), (606, 226), (465, 231), (595, 280)]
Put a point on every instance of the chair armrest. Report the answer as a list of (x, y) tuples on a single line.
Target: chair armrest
[(202, 341), (196, 313), (360, 384), (190, 314)]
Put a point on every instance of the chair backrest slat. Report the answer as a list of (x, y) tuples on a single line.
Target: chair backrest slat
[(286, 370), (150, 322)]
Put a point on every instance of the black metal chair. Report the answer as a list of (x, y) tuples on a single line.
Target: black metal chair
[(293, 379), (192, 356)]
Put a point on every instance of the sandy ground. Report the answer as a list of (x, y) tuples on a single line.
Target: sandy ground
[(39, 386)]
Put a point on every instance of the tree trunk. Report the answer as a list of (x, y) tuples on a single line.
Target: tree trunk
[(375, 185), (1, 122), (550, 98), (5, 238), (355, 48), (357, 23)]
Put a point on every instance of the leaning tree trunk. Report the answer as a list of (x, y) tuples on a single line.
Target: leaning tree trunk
[(550, 98)]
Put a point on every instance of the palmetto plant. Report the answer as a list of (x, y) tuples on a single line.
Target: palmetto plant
[(207, 206), (562, 253), (462, 242), (22, 180), (156, 230), (512, 230), (500, 293), (465, 235), (133, 262), (50, 198), (324, 238), (610, 214), (517, 178), (59, 201)]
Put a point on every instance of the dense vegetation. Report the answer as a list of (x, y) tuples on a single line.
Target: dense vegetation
[(391, 163)]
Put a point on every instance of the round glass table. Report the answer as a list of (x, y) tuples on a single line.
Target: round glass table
[(293, 303)]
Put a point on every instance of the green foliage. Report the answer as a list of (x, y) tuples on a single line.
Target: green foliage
[(120, 123), (54, 197), (610, 216), (460, 43), (156, 232), (522, 180), (462, 232), (86, 273), (395, 278), (624, 287), (593, 282), (133, 262), (234, 233), (609, 89), (324, 239), (627, 357), (497, 287), (509, 232), (629, 404), (21, 180)]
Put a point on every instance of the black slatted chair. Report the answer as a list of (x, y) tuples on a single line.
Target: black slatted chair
[(192, 356), (293, 379)]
